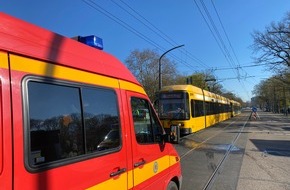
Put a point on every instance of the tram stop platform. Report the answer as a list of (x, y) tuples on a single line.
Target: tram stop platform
[(266, 160)]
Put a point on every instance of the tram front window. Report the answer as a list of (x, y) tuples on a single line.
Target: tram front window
[(173, 108)]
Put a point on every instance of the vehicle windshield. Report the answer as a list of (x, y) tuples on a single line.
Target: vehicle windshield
[(174, 106)]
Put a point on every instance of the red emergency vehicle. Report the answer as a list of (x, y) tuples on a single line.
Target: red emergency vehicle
[(70, 117)]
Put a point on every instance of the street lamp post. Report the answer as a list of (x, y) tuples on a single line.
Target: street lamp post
[(160, 73)]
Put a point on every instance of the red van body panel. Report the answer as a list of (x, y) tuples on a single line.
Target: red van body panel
[(67, 117)]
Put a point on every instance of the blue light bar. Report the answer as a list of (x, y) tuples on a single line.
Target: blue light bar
[(92, 41)]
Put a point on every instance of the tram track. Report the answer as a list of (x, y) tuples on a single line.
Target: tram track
[(198, 145), (231, 154), (215, 173), (208, 150)]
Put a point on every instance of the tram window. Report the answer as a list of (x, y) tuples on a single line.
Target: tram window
[(216, 108), (224, 108), (192, 104), (63, 119), (146, 124), (197, 106), (207, 107), (220, 108)]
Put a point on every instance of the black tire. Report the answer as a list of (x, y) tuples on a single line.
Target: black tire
[(172, 186)]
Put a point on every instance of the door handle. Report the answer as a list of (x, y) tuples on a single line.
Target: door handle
[(120, 171), (137, 164)]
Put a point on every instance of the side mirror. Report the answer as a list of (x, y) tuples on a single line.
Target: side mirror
[(175, 133)]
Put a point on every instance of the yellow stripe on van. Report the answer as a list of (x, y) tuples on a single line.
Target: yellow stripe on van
[(130, 86), (153, 168), (3, 60), (147, 171), (119, 183), (141, 174), (55, 71)]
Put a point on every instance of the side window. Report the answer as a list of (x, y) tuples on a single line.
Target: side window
[(198, 108), (146, 123), (207, 108), (55, 122), (69, 121), (101, 119), (192, 103)]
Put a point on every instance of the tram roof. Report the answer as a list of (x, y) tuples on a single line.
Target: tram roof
[(198, 93)]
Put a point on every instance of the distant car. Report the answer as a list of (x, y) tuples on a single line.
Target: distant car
[(111, 140)]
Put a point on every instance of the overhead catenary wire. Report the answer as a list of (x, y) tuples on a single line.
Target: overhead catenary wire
[(221, 46), (97, 7), (141, 35), (146, 22), (238, 67), (226, 35), (158, 32), (231, 47), (235, 67)]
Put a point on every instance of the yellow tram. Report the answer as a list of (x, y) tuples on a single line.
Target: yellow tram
[(193, 108)]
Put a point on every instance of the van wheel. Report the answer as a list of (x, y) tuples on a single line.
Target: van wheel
[(172, 186)]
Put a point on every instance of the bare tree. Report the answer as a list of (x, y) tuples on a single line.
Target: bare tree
[(273, 45), (144, 66), (272, 94)]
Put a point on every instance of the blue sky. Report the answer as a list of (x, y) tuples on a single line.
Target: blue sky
[(126, 25)]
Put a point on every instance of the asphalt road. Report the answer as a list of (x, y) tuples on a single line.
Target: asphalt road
[(238, 154)]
